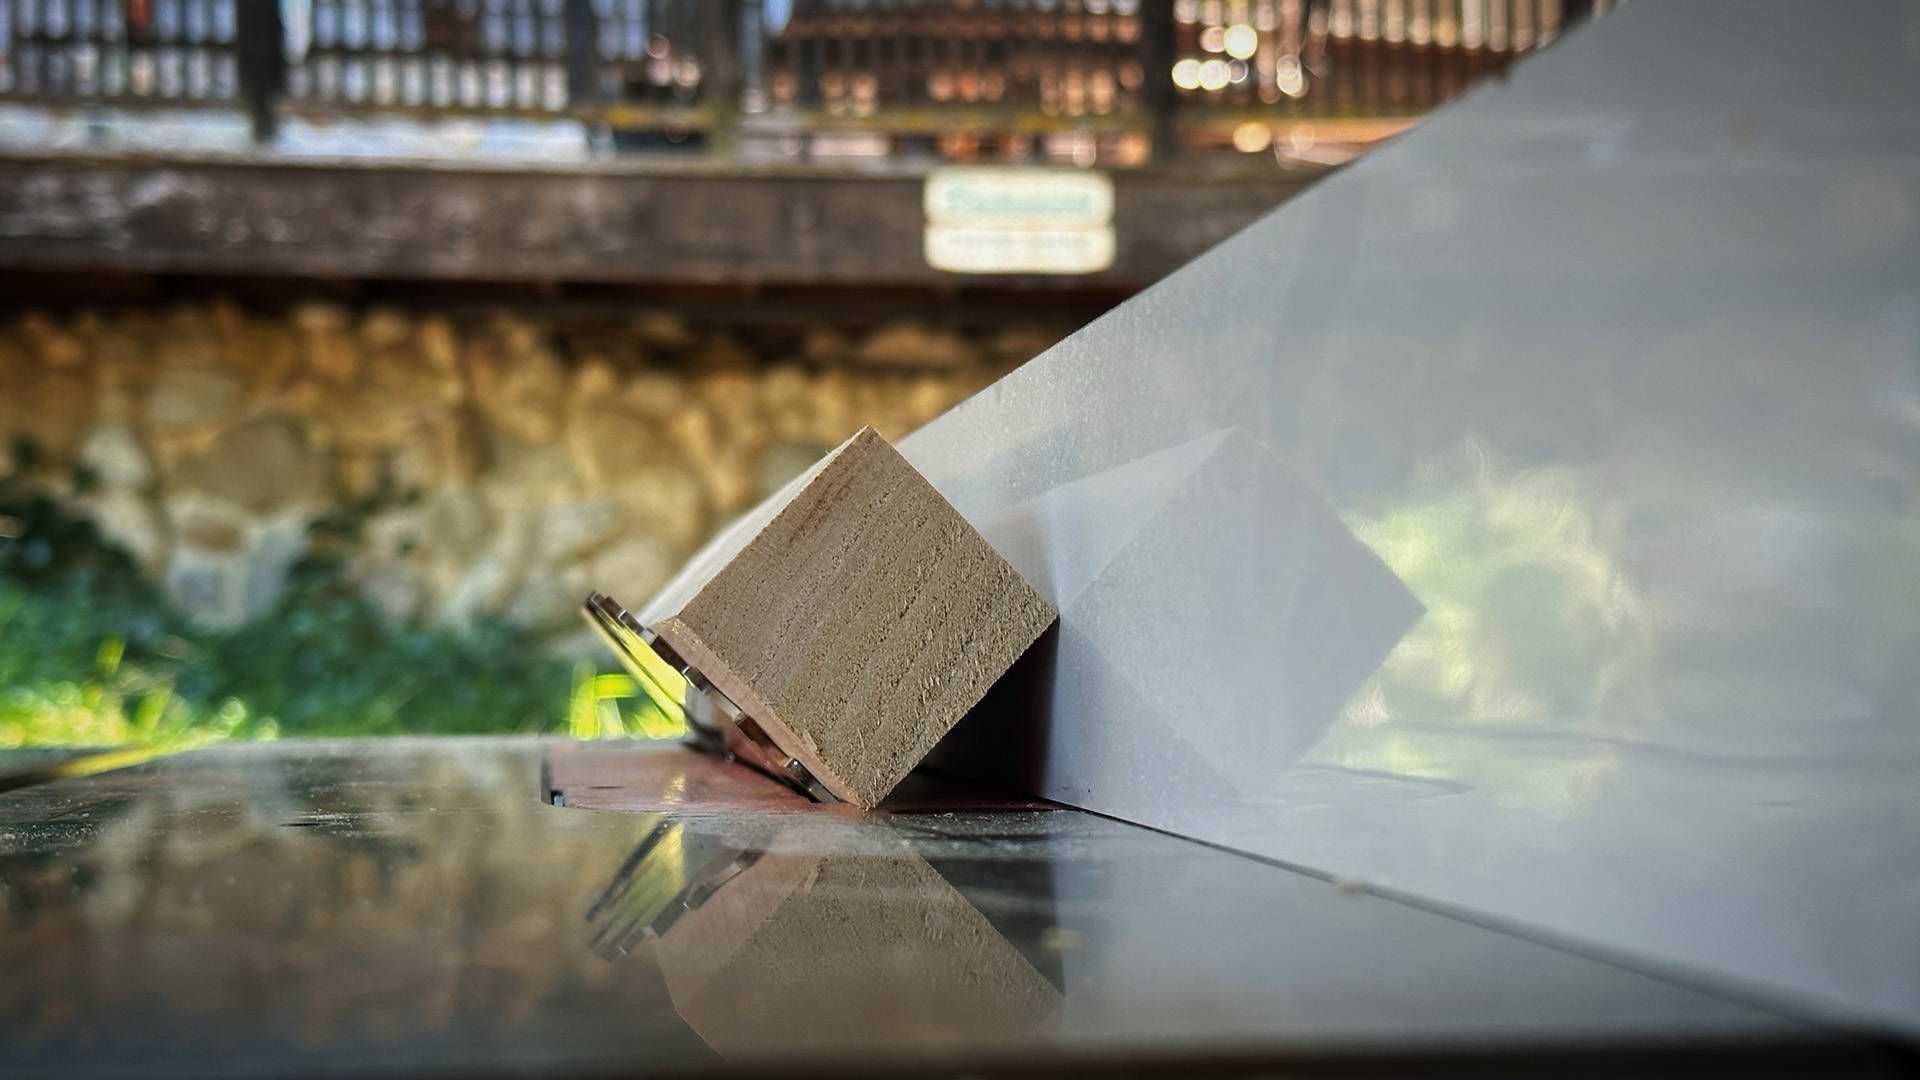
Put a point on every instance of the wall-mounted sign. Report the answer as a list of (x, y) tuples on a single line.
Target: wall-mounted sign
[(984, 219)]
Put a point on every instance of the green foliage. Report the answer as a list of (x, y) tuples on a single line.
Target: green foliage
[(327, 662), (91, 654)]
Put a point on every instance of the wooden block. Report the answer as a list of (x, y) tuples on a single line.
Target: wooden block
[(859, 623)]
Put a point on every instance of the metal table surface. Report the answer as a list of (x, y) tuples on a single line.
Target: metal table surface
[(416, 906)]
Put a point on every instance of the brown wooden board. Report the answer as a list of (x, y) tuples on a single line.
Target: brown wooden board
[(617, 223)]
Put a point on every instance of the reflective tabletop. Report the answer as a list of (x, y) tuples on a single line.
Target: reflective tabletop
[(409, 906)]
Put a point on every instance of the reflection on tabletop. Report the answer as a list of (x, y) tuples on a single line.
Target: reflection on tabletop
[(835, 953)]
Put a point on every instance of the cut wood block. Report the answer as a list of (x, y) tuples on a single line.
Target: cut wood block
[(860, 622)]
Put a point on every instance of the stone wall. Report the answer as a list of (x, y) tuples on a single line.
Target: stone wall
[(492, 464)]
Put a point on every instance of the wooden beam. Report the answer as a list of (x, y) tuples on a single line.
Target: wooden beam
[(614, 223)]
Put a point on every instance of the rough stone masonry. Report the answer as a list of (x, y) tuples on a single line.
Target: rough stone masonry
[(497, 464)]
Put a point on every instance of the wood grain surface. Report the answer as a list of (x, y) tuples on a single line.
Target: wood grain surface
[(861, 622)]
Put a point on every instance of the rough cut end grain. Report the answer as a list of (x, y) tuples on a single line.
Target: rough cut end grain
[(861, 622)]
